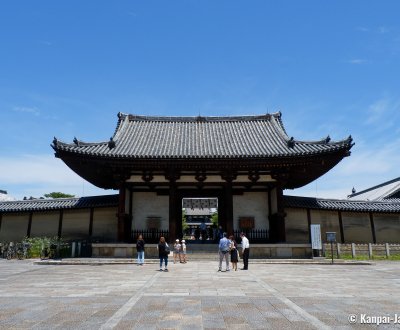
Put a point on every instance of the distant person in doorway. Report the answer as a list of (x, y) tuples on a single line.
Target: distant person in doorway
[(234, 252), (140, 250), (223, 251), (245, 251), (214, 231), (182, 252), (220, 233), (177, 250), (163, 252), (203, 230)]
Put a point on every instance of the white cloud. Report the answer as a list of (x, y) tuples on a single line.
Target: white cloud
[(36, 175), (32, 110), (381, 110), (357, 61)]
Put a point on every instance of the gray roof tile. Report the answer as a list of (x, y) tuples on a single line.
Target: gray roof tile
[(201, 137), (392, 206), (58, 203), (386, 206)]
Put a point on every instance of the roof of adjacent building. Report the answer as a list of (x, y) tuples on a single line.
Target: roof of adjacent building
[(389, 206), (146, 137), (59, 203), (383, 191)]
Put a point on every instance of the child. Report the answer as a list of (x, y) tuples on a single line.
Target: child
[(183, 252), (177, 249)]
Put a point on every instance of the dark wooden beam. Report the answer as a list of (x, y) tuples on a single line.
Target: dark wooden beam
[(60, 223), (371, 220), (28, 232), (341, 226)]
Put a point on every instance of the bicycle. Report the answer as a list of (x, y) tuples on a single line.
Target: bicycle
[(23, 250), (11, 251)]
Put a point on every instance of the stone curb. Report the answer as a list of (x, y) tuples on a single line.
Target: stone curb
[(122, 261)]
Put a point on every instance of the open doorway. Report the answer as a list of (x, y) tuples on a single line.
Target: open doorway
[(200, 220)]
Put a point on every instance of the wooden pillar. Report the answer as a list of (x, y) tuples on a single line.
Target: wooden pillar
[(281, 214), (121, 214), (172, 175), (172, 211), (228, 176), (309, 224), (130, 209), (269, 201), (229, 207), (341, 227), (91, 222), (28, 232), (371, 220)]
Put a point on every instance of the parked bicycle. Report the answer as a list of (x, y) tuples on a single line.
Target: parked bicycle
[(11, 251), (3, 250), (23, 250), (48, 252)]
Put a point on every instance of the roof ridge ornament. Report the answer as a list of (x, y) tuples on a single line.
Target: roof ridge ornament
[(327, 139), (111, 143), (290, 143), (77, 142)]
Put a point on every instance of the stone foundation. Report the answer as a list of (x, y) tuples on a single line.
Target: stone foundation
[(257, 251)]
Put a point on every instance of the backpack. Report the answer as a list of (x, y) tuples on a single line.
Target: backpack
[(167, 249)]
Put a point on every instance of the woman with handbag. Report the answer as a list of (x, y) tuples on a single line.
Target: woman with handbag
[(163, 252)]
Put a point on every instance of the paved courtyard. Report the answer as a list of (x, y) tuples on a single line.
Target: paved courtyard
[(196, 296)]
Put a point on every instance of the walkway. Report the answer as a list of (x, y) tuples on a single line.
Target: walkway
[(196, 296)]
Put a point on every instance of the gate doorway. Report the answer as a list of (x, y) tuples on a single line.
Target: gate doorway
[(200, 220)]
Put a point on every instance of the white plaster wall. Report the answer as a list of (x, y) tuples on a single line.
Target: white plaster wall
[(148, 204), (251, 204)]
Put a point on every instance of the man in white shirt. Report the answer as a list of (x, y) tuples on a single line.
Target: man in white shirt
[(245, 251)]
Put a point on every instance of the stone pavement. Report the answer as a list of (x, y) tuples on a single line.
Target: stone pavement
[(196, 296)]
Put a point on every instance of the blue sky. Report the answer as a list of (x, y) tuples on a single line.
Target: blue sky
[(67, 68)]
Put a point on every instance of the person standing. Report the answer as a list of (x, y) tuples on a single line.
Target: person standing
[(177, 250), (234, 252), (245, 251), (223, 251), (140, 250), (182, 252), (163, 252)]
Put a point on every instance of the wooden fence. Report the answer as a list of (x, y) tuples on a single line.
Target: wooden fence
[(254, 235), (150, 235), (370, 250)]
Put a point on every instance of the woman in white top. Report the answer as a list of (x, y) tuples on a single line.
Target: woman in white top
[(177, 249)]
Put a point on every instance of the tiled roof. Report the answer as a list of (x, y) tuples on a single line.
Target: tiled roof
[(142, 137), (386, 206), (382, 191), (392, 206), (59, 203)]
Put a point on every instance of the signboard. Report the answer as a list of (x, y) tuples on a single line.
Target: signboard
[(316, 242), (246, 222), (331, 236)]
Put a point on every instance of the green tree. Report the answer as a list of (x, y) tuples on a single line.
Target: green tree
[(58, 195), (214, 218), (184, 223)]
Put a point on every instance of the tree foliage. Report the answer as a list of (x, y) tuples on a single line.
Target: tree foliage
[(58, 195)]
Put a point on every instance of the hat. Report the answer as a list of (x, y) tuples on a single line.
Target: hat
[(177, 240), (183, 241)]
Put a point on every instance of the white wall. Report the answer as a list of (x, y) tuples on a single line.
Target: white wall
[(251, 204), (148, 204)]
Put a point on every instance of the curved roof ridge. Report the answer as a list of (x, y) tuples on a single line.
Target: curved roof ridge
[(374, 187), (134, 117), (327, 141)]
